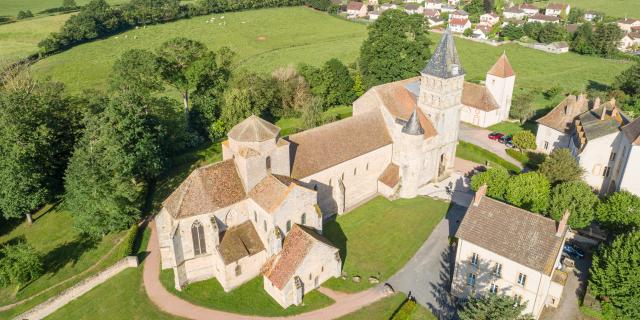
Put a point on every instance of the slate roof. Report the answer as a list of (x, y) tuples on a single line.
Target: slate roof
[(478, 96), (326, 146), (516, 234), (556, 6), (272, 191), (412, 126), (297, 244), (253, 129), (514, 9), (205, 190), (411, 6), (632, 132), (593, 127), (431, 13), (562, 116), (238, 242), (354, 5), (502, 68), (391, 175), (443, 58)]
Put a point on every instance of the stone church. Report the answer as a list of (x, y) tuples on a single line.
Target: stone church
[(260, 211)]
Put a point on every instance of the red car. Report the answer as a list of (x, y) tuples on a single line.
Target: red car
[(495, 135)]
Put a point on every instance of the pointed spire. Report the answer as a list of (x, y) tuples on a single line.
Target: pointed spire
[(502, 68), (445, 62), (413, 127)]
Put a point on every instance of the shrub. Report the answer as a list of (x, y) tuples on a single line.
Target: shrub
[(19, 264), (406, 310), (24, 14), (130, 241), (524, 140)]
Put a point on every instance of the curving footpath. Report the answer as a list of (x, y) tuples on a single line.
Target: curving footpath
[(169, 303)]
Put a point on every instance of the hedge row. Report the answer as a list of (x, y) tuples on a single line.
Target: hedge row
[(405, 311)]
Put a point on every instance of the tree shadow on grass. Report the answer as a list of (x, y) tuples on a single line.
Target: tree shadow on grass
[(333, 232), (69, 252)]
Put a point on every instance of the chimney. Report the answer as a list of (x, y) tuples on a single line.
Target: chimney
[(596, 103), (603, 115), (562, 225), (479, 194)]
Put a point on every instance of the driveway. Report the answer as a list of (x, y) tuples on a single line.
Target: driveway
[(478, 136), (427, 275), (569, 309)]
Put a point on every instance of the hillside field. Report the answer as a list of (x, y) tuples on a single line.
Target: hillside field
[(20, 39), (615, 8), (11, 7)]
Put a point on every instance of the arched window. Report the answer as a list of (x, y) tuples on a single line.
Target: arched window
[(238, 270), (303, 219), (268, 163), (288, 225), (197, 235)]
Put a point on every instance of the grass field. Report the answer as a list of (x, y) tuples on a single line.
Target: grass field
[(615, 8), (11, 7), (20, 39), (379, 237), (384, 309), (476, 154), (262, 39)]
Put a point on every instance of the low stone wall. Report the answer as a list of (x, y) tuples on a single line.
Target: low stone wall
[(54, 303)]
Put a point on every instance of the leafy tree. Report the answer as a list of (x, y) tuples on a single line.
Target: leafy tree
[(552, 32), (560, 166), (512, 31), (312, 113), (38, 130), (606, 38), (629, 81), (475, 8), (619, 212), (582, 41), (529, 191), (578, 198), (522, 106), (313, 76), (143, 12), (397, 48), (136, 71), (250, 94), (494, 306), (532, 29), (524, 140), (337, 84), (20, 264), (575, 15), (292, 92), (358, 86), (496, 180), (615, 274), (488, 5), (467, 32), (24, 14)]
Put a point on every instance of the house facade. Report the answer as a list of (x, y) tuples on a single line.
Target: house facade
[(356, 9), (627, 24), (506, 250), (260, 210), (513, 13), (555, 128), (544, 18), (557, 9), (459, 25)]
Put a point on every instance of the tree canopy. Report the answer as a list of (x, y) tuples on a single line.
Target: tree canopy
[(529, 191), (337, 84), (578, 198), (496, 180), (561, 166), (20, 263), (524, 140), (620, 211)]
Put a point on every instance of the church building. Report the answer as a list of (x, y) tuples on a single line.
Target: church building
[(260, 210)]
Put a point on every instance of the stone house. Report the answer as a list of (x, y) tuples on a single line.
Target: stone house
[(459, 14), (260, 210), (459, 25), (482, 31), (630, 41), (555, 128), (356, 9), (412, 8), (627, 23), (489, 19), (506, 250), (557, 9), (529, 9), (433, 4), (431, 13)]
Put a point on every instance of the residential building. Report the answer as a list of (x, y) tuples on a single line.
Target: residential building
[(557, 9), (386, 6), (431, 13), (356, 9), (459, 25), (459, 14), (513, 13), (555, 128), (435, 21), (591, 15), (374, 15), (630, 42), (448, 8), (453, 2), (482, 31), (412, 8), (544, 18), (529, 9), (627, 23), (489, 19), (506, 250)]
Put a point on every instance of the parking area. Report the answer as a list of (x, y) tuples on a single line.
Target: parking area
[(480, 137)]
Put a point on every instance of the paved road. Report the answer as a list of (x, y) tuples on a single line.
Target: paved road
[(427, 275), (478, 136), (569, 309)]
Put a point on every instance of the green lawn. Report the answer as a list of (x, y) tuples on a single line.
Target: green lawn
[(508, 127), (479, 155), (379, 237), (384, 309), (20, 39), (615, 8), (263, 40), (11, 7), (292, 125), (249, 299)]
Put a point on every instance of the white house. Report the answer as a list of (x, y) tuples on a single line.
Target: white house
[(627, 23), (591, 15), (488, 104), (435, 21), (431, 13), (544, 18), (386, 6), (481, 31), (356, 9), (630, 41), (459, 14), (412, 8), (459, 25), (489, 18), (556, 127), (433, 4), (374, 15), (509, 251), (557, 9), (513, 13), (448, 8), (529, 9)]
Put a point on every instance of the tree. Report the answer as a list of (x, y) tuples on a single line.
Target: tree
[(619, 212), (397, 48), (488, 5), (467, 32), (522, 106), (512, 31), (529, 191), (560, 166), (69, 4), (582, 41), (494, 306), (38, 129), (496, 180), (524, 140), (312, 113), (575, 15), (136, 71), (249, 94), (607, 38), (532, 29), (292, 92), (475, 7), (358, 86), (143, 12), (552, 32), (615, 274), (20, 264), (24, 14), (578, 198), (337, 84), (629, 81)]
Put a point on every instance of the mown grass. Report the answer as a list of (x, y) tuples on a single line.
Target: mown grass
[(615, 8), (20, 39), (292, 125), (508, 127), (383, 310), (479, 155), (379, 237), (12, 7)]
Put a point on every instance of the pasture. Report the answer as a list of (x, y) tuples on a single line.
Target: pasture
[(20, 39), (11, 7)]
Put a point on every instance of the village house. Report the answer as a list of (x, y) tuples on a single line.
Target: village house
[(459, 25), (260, 210), (529, 9), (488, 104), (373, 3), (557, 9), (413, 8), (627, 23), (513, 13), (506, 250), (435, 21), (453, 2), (481, 32), (591, 15), (630, 42), (386, 6), (431, 13), (544, 18), (489, 19), (433, 4), (555, 128), (459, 14), (412, 1), (448, 8), (356, 10), (374, 15)]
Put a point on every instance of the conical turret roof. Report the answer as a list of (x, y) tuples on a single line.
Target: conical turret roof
[(253, 129), (413, 127), (445, 62), (502, 68)]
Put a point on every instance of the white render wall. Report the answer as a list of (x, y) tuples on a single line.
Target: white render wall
[(479, 117), (630, 171), (502, 91), (553, 138), (595, 157)]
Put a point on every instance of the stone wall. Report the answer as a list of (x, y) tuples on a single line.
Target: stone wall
[(54, 303)]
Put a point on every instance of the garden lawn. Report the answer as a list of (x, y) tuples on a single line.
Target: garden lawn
[(20, 39), (379, 237), (249, 299), (262, 39), (385, 308), (615, 8), (508, 127), (292, 125), (479, 155), (11, 7)]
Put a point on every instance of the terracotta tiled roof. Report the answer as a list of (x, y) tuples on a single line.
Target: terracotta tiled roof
[(205, 190), (628, 21), (391, 175), (514, 9), (562, 116), (479, 97), (411, 6), (326, 146), (253, 129), (632, 132), (502, 68), (516, 234), (239, 241), (458, 22), (271, 191), (354, 5), (298, 243), (556, 6), (528, 6), (431, 13)]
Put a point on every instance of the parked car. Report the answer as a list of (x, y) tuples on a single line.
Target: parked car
[(505, 139), (573, 251), (509, 144), (495, 135)]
